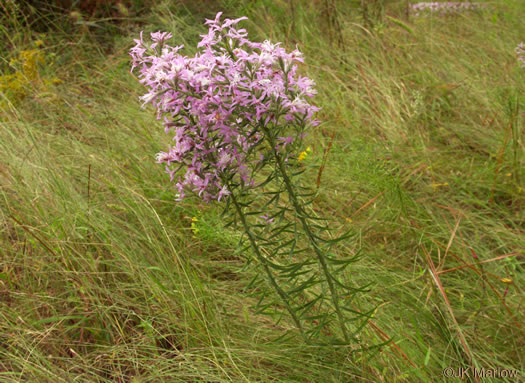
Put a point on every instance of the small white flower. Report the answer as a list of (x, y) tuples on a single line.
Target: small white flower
[(161, 76), (268, 46), (176, 67), (265, 81), (235, 80), (266, 58), (224, 158), (162, 157), (147, 98), (299, 102)]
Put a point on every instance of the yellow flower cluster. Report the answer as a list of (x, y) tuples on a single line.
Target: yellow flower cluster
[(194, 227), (17, 85), (303, 155)]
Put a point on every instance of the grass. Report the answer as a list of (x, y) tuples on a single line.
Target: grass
[(102, 278)]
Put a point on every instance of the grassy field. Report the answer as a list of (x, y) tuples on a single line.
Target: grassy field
[(105, 278)]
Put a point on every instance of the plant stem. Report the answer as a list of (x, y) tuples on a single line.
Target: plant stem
[(262, 260), (302, 217)]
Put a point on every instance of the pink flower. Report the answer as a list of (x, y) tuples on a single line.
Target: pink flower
[(159, 37), (520, 51), (266, 219), (216, 102)]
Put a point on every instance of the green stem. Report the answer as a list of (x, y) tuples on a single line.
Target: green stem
[(262, 260), (302, 217)]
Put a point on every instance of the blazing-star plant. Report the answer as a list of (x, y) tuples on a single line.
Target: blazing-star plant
[(442, 8), (238, 111)]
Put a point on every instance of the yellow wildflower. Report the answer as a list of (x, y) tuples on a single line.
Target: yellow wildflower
[(303, 155), (194, 227)]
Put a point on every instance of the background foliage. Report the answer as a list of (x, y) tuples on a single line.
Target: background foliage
[(103, 278)]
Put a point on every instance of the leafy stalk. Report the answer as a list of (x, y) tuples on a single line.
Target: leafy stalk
[(262, 259), (301, 214)]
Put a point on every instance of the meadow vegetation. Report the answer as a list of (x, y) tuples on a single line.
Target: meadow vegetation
[(105, 278)]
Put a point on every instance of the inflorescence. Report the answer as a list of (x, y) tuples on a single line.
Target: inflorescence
[(218, 102)]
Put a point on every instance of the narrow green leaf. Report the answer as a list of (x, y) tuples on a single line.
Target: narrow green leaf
[(56, 319)]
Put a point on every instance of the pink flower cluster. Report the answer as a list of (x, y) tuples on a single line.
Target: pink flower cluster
[(442, 8), (520, 51), (219, 102)]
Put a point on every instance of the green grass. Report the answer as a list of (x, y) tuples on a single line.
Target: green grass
[(103, 280)]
